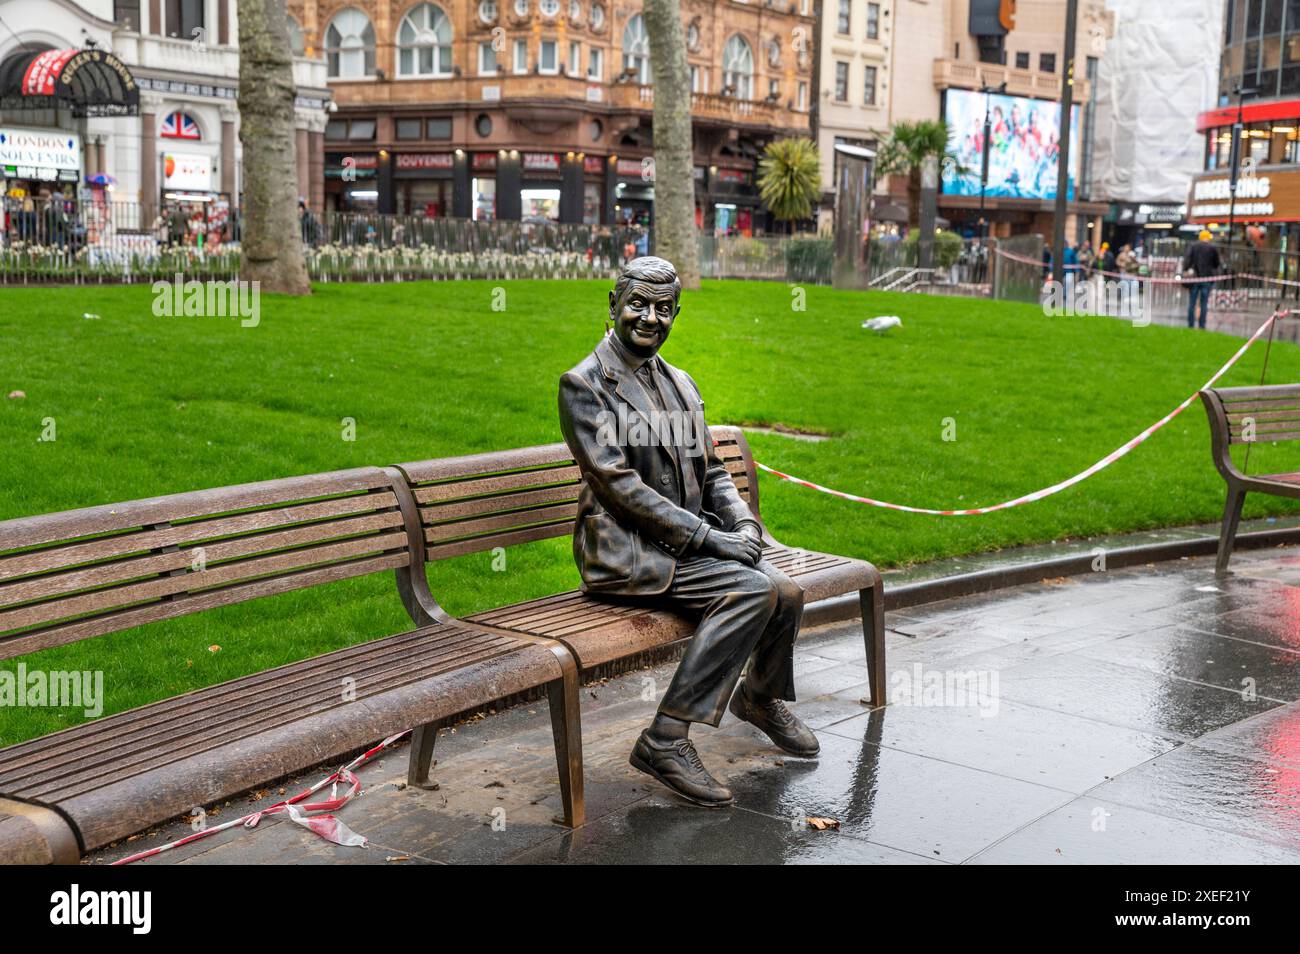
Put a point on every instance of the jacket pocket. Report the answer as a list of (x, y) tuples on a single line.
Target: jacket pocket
[(607, 552)]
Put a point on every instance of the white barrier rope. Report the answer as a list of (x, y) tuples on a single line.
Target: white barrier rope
[(1055, 488)]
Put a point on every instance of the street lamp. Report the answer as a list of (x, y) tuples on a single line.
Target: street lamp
[(1234, 160), (984, 159)]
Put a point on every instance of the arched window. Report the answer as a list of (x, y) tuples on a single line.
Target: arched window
[(738, 68), (297, 43), (424, 42), (350, 45), (636, 49)]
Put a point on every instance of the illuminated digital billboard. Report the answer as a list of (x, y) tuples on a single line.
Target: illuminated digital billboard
[(1024, 145)]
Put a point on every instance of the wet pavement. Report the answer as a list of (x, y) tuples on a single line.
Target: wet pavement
[(1148, 715)]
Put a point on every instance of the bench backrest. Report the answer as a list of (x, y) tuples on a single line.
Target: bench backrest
[(476, 503), (1258, 414), (82, 573)]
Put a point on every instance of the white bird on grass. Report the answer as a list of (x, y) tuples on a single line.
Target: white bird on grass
[(883, 323)]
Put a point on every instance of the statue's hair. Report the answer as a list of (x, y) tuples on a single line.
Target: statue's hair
[(647, 268)]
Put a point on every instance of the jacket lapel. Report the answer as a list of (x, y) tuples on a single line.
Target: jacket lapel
[(629, 389)]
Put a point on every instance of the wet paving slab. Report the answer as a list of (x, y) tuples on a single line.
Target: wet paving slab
[(1144, 715)]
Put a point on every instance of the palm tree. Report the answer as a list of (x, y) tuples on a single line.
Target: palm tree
[(905, 151), (790, 179), (271, 249), (675, 237)]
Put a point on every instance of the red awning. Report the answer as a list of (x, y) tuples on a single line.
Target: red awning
[(90, 82)]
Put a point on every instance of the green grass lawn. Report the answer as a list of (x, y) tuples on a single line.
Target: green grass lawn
[(146, 406)]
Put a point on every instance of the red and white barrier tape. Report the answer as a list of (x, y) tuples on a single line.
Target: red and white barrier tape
[(1077, 269), (325, 825), (1055, 488), (1150, 279)]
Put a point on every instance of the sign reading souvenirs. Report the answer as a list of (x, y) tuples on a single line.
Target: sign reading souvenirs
[(45, 155), (89, 82)]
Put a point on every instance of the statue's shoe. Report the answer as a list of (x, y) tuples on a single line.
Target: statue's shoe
[(780, 724), (678, 765)]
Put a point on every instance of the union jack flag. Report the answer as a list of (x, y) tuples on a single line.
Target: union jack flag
[(179, 125)]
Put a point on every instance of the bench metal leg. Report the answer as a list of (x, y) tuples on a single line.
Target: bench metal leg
[(872, 600), (422, 739), (566, 726), (1228, 535)]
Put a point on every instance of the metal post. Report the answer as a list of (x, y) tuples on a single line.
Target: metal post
[(1063, 157)]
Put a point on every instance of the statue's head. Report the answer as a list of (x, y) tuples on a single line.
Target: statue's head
[(643, 304)]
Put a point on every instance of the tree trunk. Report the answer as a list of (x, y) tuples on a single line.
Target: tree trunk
[(914, 197), (675, 237), (271, 249)]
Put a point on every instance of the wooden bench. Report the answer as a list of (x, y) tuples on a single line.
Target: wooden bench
[(85, 573), (1242, 416), (475, 504)]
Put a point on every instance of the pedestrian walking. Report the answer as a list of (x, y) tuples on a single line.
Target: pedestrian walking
[(1200, 264)]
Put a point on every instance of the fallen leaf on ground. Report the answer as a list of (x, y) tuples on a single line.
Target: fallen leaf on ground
[(824, 824)]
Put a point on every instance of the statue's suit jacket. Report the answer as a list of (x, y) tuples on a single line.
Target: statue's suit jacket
[(636, 517)]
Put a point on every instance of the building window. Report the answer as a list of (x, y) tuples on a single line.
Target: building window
[(693, 36), (845, 14), (549, 8), (697, 80), (487, 59), (1047, 62), (483, 125), (636, 50), (350, 45), (595, 64), (184, 18), (424, 42), (873, 21), (597, 16), (487, 10), (521, 8), (408, 128), (738, 68), (801, 102), (1022, 61), (336, 130), (869, 90), (548, 58), (439, 128), (297, 42), (841, 82), (521, 56), (362, 130), (575, 11), (127, 13), (575, 58), (773, 89)]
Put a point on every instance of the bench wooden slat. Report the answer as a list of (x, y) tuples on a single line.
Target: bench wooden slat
[(484, 506), (28, 642), (501, 483), (135, 568), (182, 534), (203, 724), (36, 614), (442, 551), (72, 524)]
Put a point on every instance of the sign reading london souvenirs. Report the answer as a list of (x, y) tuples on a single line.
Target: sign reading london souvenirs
[(46, 155)]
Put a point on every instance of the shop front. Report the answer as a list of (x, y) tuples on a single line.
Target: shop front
[(351, 182), (423, 183), (37, 166), (1264, 215), (634, 191)]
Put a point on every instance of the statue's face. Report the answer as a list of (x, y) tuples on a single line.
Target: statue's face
[(643, 316)]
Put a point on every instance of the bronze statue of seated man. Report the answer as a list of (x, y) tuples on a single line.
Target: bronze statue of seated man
[(661, 522)]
